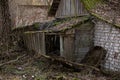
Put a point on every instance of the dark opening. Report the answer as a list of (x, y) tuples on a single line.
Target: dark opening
[(52, 43)]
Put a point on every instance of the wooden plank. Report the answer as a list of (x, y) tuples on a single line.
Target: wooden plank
[(69, 48), (44, 49), (36, 42), (61, 46), (70, 8)]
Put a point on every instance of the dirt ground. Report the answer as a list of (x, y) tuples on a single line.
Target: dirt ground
[(31, 68)]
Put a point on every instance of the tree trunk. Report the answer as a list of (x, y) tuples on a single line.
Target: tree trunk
[(5, 21)]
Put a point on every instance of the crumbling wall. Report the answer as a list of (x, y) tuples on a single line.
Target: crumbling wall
[(25, 12), (108, 37)]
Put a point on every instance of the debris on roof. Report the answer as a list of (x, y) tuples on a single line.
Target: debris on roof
[(104, 10)]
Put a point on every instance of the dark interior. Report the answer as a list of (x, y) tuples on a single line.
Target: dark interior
[(52, 43)]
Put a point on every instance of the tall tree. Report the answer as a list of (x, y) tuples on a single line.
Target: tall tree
[(6, 21)]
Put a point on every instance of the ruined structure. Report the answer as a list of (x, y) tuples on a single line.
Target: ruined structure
[(74, 35), (106, 27), (106, 31), (70, 39)]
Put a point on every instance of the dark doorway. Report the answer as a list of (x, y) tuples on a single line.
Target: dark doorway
[(52, 43)]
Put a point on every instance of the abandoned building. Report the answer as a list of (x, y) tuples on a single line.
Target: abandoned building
[(76, 34), (105, 31), (70, 39), (74, 37)]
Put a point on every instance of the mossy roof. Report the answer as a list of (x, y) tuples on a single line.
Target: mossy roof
[(66, 24), (58, 25), (107, 10)]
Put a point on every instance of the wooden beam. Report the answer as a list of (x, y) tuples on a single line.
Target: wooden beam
[(61, 46)]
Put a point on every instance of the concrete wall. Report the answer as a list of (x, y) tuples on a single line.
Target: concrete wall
[(108, 37), (27, 12)]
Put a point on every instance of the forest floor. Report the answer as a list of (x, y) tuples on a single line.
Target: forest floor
[(28, 67)]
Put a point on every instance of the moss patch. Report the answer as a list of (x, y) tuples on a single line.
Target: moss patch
[(90, 4)]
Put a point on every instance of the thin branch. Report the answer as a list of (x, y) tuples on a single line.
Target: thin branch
[(12, 61)]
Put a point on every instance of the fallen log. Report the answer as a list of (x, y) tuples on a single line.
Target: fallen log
[(70, 64)]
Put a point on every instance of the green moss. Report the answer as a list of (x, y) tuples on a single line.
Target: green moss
[(36, 25), (56, 23), (90, 4), (83, 21)]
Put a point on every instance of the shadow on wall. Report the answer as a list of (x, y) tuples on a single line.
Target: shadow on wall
[(95, 56)]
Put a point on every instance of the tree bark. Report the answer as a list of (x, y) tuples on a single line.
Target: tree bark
[(6, 21)]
